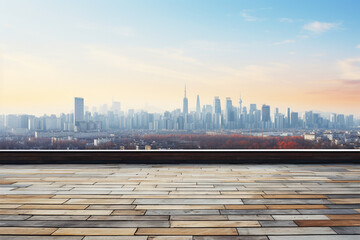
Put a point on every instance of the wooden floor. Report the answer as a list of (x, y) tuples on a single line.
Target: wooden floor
[(179, 202)]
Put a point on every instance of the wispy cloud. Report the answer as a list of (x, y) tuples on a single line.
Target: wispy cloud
[(350, 68), (287, 20), (139, 64), (320, 27), (173, 54), (284, 42), (358, 46), (6, 25), (124, 31), (247, 17)]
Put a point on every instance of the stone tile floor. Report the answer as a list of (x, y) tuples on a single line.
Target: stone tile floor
[(179, 202)]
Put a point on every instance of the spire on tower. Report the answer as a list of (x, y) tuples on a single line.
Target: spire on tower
[(185, 90), (240, 102)]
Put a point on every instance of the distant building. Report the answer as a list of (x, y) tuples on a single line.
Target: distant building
[(217, 105), (252, 109), (229, 110), (198, 109), (310, 136), (79, 110), (288, 117), (265, 116), (116, 107), (294, 119), (309, 122), (265, 113), (185, 104)]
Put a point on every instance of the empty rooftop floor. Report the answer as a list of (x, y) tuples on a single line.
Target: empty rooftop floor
[(179, 202)]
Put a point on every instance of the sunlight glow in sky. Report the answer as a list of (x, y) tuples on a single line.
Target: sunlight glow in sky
[(299, 54)]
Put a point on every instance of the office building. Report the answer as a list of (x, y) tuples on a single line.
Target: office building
[(79, 109), (185, 104)]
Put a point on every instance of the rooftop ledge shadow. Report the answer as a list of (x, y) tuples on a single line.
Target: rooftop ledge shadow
[(262, 156)]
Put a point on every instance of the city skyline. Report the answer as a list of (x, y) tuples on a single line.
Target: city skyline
[(303, 55), (218, 104), (208, 117)]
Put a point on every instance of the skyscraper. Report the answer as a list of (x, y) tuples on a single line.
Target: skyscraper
[(252, 108), (265, 113), (185, 104), (79, 109), (229, 110), (288, 117), (116, 107), (265, 116), (217, 113), (217, 105), (294, 119), (240, 104), (198, 110)]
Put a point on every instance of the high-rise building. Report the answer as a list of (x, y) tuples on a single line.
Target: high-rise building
[(198, 110), (265, 116), (252, 108), (309, 122), (185, 104), (230, 114), (265, 113), (116, 107), (340, 120), (294, 119), (217, 105), (229, 110), (240, 105), (349, 120), (79, 109), (288, 117)]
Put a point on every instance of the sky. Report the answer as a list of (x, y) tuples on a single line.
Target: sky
[(299, 54)]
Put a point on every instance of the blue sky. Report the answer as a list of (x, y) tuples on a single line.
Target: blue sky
[(302, 54)]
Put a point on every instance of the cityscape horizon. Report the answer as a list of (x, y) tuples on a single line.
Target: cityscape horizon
[(227, 115), (192, 107)]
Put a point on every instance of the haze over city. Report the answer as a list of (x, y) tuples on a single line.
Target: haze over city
[(304, 55)]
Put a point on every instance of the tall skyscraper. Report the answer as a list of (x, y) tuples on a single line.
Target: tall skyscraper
[(229, 110), (217, 105), (115, 107), (252, 108), (288, 117), (198, 110), (265, 113), (185, 104), (79, 109), (240, 104), (294, 119)]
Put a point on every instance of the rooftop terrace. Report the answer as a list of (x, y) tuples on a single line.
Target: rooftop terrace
[(182, 202)]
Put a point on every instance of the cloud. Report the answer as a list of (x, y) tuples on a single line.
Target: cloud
[(292, 53), (320, 27), (358, 46), (288, 20), (350, 69), (134, 64), (256, 73), (317, 55), (350, 82), (124, 31), (247, 17), (6, 25), (284, 42), (173, 54)]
